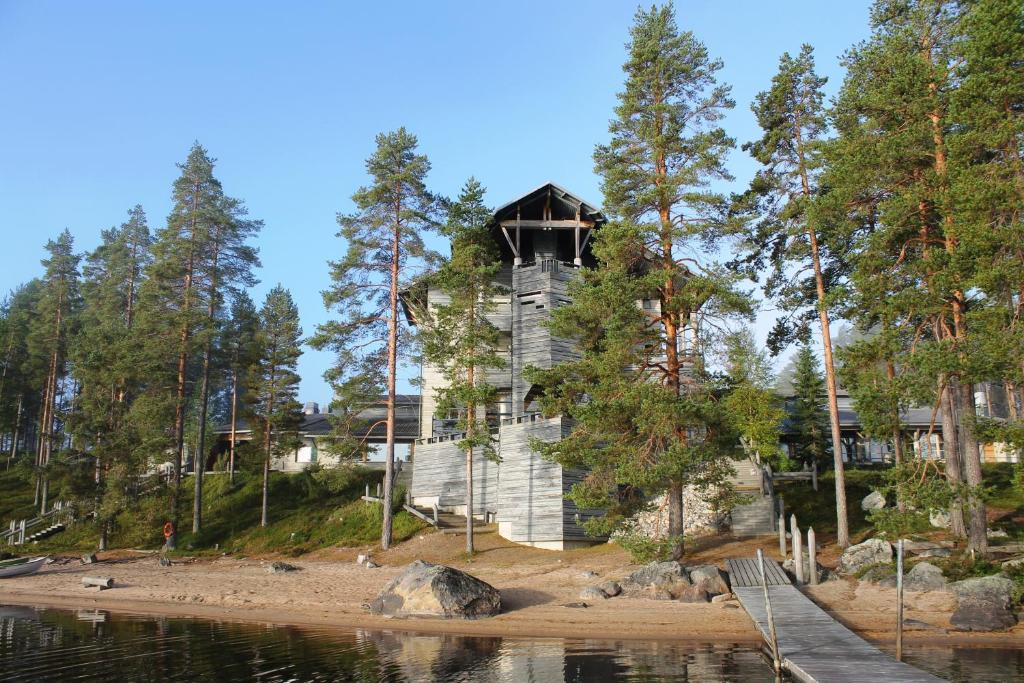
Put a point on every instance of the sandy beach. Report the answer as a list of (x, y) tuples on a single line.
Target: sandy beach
[(331, 590)]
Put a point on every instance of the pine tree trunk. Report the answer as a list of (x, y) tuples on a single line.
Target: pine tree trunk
[(389, 462), (951, 450), (977, 538), (14, 438), (234, 426), (200, 468), (264, 517), (676, 523)]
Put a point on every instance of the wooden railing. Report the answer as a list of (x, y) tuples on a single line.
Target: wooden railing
[(17, 531)]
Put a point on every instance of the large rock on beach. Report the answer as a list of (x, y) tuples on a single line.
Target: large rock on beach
[(657, 574), (710, 578), (873, 501), (857, 557), (924, 577), (984, 604), (939, 519), (425, 589)]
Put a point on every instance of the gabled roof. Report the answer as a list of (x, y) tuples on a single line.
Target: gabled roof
[(563, 205)]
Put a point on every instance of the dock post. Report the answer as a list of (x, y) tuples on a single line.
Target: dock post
[(798, 551), (21, 533), (782, 537), (812, 556), (776, 657), (899, 600)]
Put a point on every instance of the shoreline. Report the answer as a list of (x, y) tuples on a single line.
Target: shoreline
[(492, 627)]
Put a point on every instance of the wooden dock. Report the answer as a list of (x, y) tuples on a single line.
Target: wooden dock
[(814, 647)]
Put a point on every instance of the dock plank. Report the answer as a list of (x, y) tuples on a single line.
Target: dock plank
[(814, 647)]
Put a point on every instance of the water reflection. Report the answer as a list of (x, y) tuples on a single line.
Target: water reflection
[(84, 645)]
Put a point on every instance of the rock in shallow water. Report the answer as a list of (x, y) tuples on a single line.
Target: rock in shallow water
[(425, 589), (982, 615)]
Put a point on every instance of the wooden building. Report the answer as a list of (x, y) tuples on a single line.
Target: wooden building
[(544, 237)]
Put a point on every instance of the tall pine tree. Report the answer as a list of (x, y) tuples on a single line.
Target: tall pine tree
[(385, 247), (274, 382), (458, 338)]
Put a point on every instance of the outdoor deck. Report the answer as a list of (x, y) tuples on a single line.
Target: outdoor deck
[(813, 647)]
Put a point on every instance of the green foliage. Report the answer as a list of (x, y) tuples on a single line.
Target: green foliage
[(457, 337), (963, 566), (395, 212), (755, 410), (808, 416), (643, 549)]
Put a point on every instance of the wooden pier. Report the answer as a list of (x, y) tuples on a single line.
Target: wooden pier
[(813, 646)]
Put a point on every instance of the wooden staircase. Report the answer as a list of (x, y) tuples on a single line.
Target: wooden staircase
[(757, 517)]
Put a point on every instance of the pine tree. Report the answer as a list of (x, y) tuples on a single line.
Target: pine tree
[(891, 178), (458, 338), (792, 116), (241, 350), (17, 385), (808, 415), (274, 382), (385, 247), (173, 308), (754, 408), (51, 329), (228, 269), (105, 356), (652, 418)]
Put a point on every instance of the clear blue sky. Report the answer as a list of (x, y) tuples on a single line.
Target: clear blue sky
[(101, 99)]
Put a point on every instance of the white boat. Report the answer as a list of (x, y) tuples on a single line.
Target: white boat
[(20, 566)]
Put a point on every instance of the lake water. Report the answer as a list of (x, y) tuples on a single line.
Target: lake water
[(86, 645)]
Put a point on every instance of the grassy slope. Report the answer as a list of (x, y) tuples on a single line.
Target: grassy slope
[(305, 513)]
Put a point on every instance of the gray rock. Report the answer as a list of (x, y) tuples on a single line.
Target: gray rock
[(588, 575), (873, 501), (89, 559), (923, 577), (982, 615), (611, 588), (1016, 562), (425, 589), (879, 574), (997, 533), (935, 552), (724, 597), (710, 578), (871, 551), (939, 519), (592, 593), (656, 574), (370, 564), (994, 589), (694, 593), (164, 562), (281, 567), (659, 593), (918, 547)]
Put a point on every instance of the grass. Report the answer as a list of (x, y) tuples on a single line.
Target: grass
[(817, 509), (307, 512)]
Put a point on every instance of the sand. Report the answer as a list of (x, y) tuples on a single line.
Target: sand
[(331, 590)]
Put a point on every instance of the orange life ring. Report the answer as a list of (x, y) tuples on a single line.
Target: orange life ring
[(168, 529)]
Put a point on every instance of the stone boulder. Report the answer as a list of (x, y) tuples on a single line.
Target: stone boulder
[(981, 615), (939, 519), (984, 604), (924, 577), (883, 575), (593, 593), (710, 578), (281, 567), (994, 589), (657, 574), (873, 501), (611, 588), (694, 593), (857, 557), (425, 589)]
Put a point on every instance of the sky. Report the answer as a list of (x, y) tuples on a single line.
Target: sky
[(100, 100)]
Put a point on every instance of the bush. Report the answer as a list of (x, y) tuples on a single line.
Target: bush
[(644, 549), (960, 567)]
